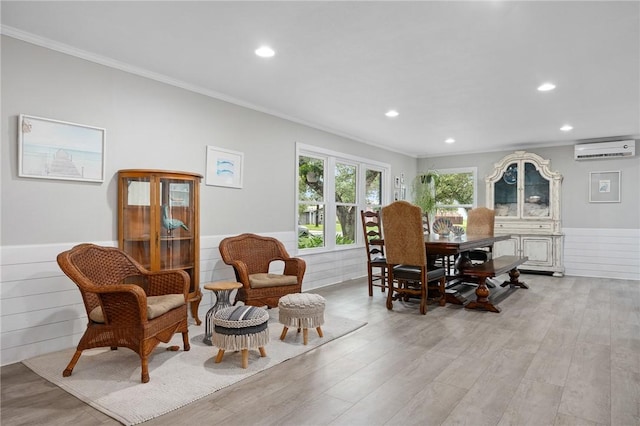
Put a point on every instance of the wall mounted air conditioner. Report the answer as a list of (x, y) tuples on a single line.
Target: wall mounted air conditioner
[(603, 150)]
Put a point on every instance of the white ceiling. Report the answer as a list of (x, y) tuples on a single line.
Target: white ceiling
[(466, 70)]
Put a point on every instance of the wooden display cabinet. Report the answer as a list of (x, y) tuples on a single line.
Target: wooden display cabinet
[(159, 223)]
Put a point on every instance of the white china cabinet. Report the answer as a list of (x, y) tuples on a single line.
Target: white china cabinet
[(525, 194)]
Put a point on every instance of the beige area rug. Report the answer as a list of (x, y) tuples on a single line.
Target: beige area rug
[(110, 380)]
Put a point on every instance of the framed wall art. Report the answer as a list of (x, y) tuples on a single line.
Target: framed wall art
[(604, 187), (54, 149), (224, 167)]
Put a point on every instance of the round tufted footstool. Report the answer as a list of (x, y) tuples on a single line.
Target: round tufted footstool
[(301, 310), (240, 328)]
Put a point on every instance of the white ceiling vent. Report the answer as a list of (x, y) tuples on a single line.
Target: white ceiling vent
[(604, 150)]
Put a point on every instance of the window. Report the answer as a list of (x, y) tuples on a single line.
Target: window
[(456, 192), (332, 189)]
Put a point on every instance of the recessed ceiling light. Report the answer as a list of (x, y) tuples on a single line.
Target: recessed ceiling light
[(392, 113), (545, 87), (265, 52), (450, 140), (566, 128)]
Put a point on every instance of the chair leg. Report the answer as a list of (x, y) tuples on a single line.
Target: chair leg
[(423, 298), (390, 294), (144, 377), (305, 335), (185, 341), (319, 330), (370, 281), (263, 353), (219, 356), (67, 371)]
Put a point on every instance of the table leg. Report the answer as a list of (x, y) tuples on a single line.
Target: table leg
[(222, 301), (514, 274), (482, 298), (208, 325)]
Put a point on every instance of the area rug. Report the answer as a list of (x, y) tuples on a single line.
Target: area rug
[(110, 380)]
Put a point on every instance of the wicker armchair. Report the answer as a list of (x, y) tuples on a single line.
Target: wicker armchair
[(127, 306), (250, 255)]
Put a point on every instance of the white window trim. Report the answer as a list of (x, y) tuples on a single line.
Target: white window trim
[(332, 157), (474, 172)]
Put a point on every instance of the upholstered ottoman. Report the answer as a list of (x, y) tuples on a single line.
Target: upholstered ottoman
[(301, 310), (240, 328)]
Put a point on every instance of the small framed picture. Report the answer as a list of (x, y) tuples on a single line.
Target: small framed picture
[(224, 167), (604, 187)]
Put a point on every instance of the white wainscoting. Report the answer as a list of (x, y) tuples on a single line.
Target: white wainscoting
[(607, 253), (41, 310)]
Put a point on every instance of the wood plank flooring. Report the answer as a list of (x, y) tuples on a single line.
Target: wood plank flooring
[(564, 352)]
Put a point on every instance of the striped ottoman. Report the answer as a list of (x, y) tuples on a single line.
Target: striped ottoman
[(240, 328), (301, 310)]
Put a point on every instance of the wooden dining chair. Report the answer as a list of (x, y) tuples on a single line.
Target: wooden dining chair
[(376, 262), (480, 221), (407, 257)]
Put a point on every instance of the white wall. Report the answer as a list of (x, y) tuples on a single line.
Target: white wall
[(149, 125)]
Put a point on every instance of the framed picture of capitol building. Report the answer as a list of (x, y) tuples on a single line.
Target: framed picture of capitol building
[(53, 149)]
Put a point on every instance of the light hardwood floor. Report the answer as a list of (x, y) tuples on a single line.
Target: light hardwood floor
[(564, 352)]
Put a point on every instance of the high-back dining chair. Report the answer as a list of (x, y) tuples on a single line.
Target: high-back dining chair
[(480, 221), (376, 262), (407, 257)]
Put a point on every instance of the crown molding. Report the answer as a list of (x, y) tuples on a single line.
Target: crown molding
[(122, 66)]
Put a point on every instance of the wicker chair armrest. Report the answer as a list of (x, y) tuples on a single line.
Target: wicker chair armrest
[(294, 266), (242, 272), (168, 281), (129, 298)]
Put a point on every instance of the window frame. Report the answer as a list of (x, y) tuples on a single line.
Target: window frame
[(331, 158), (459, 170)]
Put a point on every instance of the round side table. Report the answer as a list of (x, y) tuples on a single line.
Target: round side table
[(222, 291)]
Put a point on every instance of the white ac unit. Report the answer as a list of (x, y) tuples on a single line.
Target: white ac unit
[(602, 150)]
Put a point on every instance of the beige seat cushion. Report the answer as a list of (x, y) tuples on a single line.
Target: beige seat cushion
[(156, 306), (271, 280)]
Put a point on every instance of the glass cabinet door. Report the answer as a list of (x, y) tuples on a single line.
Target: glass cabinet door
[(506, 192), (176, 224), (536, 192), (136, 226)]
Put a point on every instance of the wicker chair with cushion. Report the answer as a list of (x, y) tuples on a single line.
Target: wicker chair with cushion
[(251, 255), (127, 305), (407, 257)]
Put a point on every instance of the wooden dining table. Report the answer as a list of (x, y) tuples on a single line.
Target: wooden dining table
[(459, 246)]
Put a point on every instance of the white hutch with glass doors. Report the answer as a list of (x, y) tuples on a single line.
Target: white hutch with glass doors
[(525, 194)]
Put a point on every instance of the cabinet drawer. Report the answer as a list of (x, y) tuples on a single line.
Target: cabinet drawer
[(523, 228)]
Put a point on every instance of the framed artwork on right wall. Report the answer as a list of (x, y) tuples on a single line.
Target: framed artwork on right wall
[(604, 187)]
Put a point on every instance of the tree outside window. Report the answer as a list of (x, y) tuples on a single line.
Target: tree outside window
[(455, 193), (311, 205), (332, 189)]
